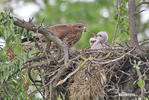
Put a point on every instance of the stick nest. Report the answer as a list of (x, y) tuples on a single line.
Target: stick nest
[(92, 74)]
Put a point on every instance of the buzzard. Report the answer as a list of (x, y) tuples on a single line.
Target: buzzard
[(68, 33)]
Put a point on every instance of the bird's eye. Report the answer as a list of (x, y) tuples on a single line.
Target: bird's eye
[(79, 26), (93, 41), (99, 35)]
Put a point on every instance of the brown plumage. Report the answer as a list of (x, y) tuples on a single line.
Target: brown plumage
[(68, 33)]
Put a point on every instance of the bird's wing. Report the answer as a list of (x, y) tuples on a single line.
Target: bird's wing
[(61, 30)]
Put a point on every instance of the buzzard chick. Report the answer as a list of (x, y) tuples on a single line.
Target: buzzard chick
[(99, 41)]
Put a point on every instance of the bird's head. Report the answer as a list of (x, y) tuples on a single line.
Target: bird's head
[(102, 37), (92, 41), (79, 27)]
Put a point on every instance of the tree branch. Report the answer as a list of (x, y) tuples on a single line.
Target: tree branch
[(50, 35), (141, 3), (118, 20)]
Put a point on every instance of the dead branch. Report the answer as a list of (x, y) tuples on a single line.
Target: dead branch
[(141, 3), (75, 71), (50, 35), (117, 59), (118, 20), (139, 12)]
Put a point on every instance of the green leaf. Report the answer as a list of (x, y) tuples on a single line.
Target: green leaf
[(146, 98), (137, 67), (134, 61), (141, 83)]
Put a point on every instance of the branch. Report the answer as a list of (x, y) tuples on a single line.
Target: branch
[(75, 71), (141, 3), (139, 12), (117, 23), (117, 59), (50, 35)]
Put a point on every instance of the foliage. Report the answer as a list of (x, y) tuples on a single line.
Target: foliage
[(11, 58), (123, 25)]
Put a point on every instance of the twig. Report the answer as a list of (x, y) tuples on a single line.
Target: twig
[(117, 59), (54, 78), (68, 76), (141, 3), (39, 90), (4, 85), (145, 41), (139, 12), (41, 24), (117, 24), (36, 64), (75, 71), (43, 79), (31, 20)]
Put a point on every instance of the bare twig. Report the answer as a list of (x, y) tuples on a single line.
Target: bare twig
[(139, 12), (141, 3), (117, 59), (39, 90), (118, 19), (75, 71), (43, 79)]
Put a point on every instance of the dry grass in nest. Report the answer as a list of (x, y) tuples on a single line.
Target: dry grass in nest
[(88, 83)]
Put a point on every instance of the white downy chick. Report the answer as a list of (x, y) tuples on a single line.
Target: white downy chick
[(92, 41), (99, 41)]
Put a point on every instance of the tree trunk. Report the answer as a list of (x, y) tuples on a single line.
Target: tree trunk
[(132, 26)]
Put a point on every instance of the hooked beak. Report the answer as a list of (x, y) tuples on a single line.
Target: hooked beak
[(84, 29)]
